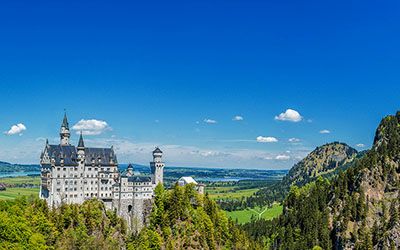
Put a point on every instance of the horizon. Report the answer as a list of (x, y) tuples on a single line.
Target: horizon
[(219, 85)]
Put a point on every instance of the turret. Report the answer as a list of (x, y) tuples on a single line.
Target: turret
[(157, 167), (81, 147), (64, 132), (129, 170)]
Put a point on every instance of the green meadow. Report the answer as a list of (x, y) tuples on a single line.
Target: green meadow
[(229, 192), (14, 192), (243, 216)]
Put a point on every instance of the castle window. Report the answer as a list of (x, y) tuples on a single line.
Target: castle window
[(64, 169), (129, 208), (58, 169), (89, 169)]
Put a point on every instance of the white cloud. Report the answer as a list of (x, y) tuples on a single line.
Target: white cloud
[(237, 118), (289, 115), (16, 129), (324, 131), (267, 139), (91, 127), (210, 121), (282, 157), (294, 140), (360, 145)]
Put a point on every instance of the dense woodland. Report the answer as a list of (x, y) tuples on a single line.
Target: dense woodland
[(181, 219), (359, 208)]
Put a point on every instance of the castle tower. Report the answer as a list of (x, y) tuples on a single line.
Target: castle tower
[(64, 132), (157, 167), (81, 147), (129, 170)]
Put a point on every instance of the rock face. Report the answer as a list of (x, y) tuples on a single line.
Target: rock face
[(324, 160), (374, 180)]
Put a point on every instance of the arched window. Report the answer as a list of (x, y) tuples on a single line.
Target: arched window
[(129, 208)]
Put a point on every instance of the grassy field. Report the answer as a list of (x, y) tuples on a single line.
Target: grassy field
[(229, 193), (21, 180), (243, 216), (12, 193)]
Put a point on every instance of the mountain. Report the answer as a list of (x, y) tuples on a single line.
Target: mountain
[(322, 161), (326, 161), (7, 167), (357, 209)]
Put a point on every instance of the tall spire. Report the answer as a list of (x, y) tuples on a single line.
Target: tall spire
[(80, 143), (65, 121), (64, 131)]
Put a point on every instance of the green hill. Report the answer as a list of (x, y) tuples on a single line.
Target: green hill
[(357, 209)]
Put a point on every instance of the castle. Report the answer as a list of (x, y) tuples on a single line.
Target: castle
[(72, 174)]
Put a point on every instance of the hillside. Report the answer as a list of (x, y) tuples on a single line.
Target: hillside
[(358, 209), (320, 162), (183, 219), (7, 167), (326, 161)]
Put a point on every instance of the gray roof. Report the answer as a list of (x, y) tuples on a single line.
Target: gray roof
[(80, 143), (104, 154), (157, 150), (139, 179), (69, 154), (65, 122)]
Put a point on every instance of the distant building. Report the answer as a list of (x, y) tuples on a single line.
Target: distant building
[(185, 180), (72, 174)]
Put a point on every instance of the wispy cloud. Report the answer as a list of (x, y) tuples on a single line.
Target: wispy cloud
[(210, 121), (266, 139), (360, 145), (325, 131), (16, 129), (294, 140), (238, 118), (91, 127), (290, 115), (282, 157)]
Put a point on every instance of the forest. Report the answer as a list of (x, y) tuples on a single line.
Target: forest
[(181, 219)]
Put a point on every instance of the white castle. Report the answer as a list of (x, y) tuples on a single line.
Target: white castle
[(72, 174)]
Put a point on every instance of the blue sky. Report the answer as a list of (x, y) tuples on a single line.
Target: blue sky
[(156, 72)]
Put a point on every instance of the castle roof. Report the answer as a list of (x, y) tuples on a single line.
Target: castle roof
[(137, 178), (80, 143), (65, 122), (157, 150), (187, 180), (68, 153)]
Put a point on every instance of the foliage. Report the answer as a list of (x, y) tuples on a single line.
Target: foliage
[(28, 223), (183, 219), (339, 212)]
